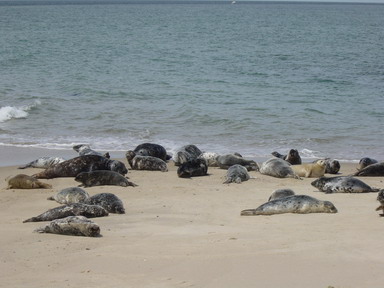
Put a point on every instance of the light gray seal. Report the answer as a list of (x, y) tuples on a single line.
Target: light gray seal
[(76, 209), (84, 149), (342, 184), (103, 177), (227, 160), (281, 193), (86, 163), (70, 195), (43, 162), (301, 204), (108, 201), (376, 169), (138, 162), (71, 225), (380, 198), (236, 173), (210, 158), (293, 157), (366, 161), (152, 149), (278, 168), (22, 181), (186, 153), (192, 168)]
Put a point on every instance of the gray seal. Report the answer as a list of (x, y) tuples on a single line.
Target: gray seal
[(210, 158), (152, 149), (376, 169), (301, 204), (236, 173), (366, 161), (71, 225), (108, 201), (70, 195), (86, 163), (380, 198), (186, 153), (281, 193), (192, 168), (84, 149), (22, 181), (138, 162), (332, 165), (293, 156), (227, 160), (342, 184), (43, 162), (278, 168), (102, 177), (76, 209)]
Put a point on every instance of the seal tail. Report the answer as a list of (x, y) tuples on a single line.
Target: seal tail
[(248, 212), (375, 189), (33, 219), (25, 166), (132, 184), (51, 198)]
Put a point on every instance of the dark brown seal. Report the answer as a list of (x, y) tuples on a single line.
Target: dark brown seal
[(22, 181), (102, 177), (292, 157), (151, 149), (372, 170), (192, 168)]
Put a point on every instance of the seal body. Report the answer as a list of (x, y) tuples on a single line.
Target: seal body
[(226, 161), (342, 184), (70, 195), (84, 149), (310, 170), (151, 149), (210, 158), (366, 161), (192, 168), (293, 157), (76, 209), (281, 193), (22, 181), (186, 153), (301, 204), (236, 173), (110, 202), (380, 198), (43, 162), (71, 225), (86, 163), (138, 162), (103, 177), (376, 169), (278, 168)]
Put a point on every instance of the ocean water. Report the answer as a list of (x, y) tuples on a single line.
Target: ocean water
[(253, 77)]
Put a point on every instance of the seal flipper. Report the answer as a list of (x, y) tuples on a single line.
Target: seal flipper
[(277, 154)]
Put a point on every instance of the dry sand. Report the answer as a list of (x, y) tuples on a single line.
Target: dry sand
[(189, 233)]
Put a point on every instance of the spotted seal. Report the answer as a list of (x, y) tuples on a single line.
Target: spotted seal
[(281, 193), (84, 149), (310, 170), (75, 209), (102, 177), (22, 181), (86, 163), (227, 160), (210, 158), (108, 201), (43, 162), (70, 195), (342, 184), (186, 153), (293, 156), (138, 162), (278, 168), (376, 169), (301, 204), (151, 149), (71, 225), (236, 173), (380, 198), (192, 168)]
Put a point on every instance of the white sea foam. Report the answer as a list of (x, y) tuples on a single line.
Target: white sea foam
[(11, 112)]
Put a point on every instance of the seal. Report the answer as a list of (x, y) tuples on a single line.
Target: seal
[(293, 156), (86, 163), (84, 149), (76, 209), (192, 168), (332, 165), (71, 225), (138, 162), (43, 162), (227, 160), (278, 168), (342, 184), (22, 181), (366, 161), (380, 198), (70, 195), (310, 170), (102, 177), (236, 173), (108, 201), (210, 158), (151, 149), (301, 204), (376, 169), (281, 193), (186, 153)]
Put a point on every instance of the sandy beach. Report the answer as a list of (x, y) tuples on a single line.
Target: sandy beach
[(189, 233)]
